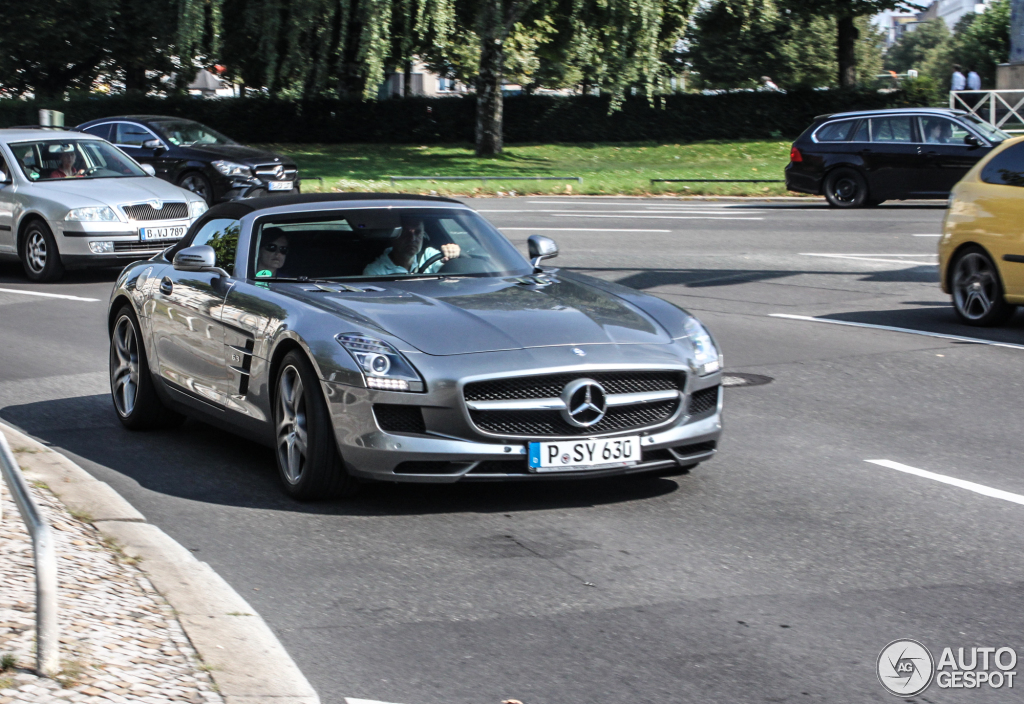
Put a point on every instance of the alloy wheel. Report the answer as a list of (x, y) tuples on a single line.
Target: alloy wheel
[(35, 251), (975, 286), (124, 373), (292, 426), (196, 185)]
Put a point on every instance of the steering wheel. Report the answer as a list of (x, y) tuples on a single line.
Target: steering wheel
[(91, 170), (426, 265)]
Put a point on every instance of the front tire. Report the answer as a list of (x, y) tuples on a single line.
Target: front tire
[(198, 184), (39, 255), (131, 384), (305, 447), (977, 290), (846, 188)]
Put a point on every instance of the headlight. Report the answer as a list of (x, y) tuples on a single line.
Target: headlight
[(706, 358), (99, 213), (230, 168), (197, 208), (383, 366)]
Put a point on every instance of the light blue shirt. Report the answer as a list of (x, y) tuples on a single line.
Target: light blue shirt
[(383, 266)]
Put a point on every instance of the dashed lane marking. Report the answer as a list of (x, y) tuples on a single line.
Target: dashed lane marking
[(952, 481), (890, 328), (579, 229), (926, 235), (652, 217), (49, 295), (875, 258)]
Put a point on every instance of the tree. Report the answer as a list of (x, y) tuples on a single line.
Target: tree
[(911, 49), (979, 42)]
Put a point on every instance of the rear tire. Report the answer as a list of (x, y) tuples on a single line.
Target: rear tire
[(978, 296), (131, 384), (307, 454), (846, 188), (39, 255), (198, 184)]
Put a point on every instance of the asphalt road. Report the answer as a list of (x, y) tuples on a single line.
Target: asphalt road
[(774, 573)]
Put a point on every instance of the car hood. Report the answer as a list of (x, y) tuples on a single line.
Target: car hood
[(113, 191), (465, 315), (234, 152)]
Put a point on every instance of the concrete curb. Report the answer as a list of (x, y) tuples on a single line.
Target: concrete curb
[(248, 663)]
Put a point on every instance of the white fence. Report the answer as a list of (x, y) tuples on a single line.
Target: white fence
[(1000, 108)]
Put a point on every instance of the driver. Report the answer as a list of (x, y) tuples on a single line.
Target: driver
[(937, 132), (405, 257), (67, 166)]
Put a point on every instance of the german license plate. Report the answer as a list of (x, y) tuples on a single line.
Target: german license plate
[(280, 185), (571, 455), (150, 234)]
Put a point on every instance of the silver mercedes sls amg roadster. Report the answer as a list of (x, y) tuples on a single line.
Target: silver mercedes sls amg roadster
[(403, 338)]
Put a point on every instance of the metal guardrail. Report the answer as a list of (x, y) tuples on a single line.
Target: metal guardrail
[(996, 103), (47, 643), (577, 179), (717, 180)]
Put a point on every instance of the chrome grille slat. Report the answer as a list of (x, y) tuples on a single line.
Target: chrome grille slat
[(551, 385), (146, 212), (153, 247)]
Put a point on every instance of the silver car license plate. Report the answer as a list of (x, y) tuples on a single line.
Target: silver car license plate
[(571, 455), (150, 234), (280, 185)]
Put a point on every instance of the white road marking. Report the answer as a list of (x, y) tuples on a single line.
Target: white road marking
[(576, 212), (952, 481), (926, 235), (352, 700), (890, 328), (874, 258), (48, 295), (653, 217), (578, 229)]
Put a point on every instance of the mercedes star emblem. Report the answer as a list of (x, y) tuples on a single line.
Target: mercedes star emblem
[(585, 403)]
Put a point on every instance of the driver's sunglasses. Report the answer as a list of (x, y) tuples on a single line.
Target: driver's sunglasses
[(283, 249)]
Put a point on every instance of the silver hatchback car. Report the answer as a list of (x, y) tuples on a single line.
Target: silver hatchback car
[(404, 339), (69, 200)]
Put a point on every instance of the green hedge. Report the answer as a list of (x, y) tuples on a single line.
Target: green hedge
[(528, 119)]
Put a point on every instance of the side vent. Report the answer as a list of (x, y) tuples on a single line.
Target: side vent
[(244, 356)]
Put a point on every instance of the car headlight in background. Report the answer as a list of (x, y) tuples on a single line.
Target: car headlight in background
[(197, 208), (99, 213), (706, 357), (383, 366), (230, 168)]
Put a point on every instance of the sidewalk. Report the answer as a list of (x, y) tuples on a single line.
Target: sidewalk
[(120, 640)]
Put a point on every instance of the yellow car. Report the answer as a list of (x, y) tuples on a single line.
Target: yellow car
[(981, 252)]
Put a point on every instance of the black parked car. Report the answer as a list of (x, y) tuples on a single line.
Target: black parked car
[(197, 157), (864, 158)]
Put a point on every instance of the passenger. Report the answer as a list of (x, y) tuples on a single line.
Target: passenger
[(937, 132), (405, 257), (273, 250), (67, 166)]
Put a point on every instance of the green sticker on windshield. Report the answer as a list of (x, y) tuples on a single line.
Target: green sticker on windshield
[(264, 274)]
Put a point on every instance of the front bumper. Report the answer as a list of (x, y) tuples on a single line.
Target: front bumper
[(74, 238), (449, 448)]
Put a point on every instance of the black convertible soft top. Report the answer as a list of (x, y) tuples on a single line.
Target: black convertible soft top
[(236, 209)]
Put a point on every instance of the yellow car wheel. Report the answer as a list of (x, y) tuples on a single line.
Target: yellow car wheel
[(977, 291)]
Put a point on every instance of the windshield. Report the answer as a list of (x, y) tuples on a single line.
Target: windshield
[(185, 133), (59, 159), (992, 134), (382, 243)]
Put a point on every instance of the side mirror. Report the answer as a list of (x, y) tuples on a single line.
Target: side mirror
[(153, 144), (4, 178), (198, 258), (971, 140), (148, 168), (541, 248)]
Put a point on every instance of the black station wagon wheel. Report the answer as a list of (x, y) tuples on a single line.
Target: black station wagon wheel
[(198, 184), (131, 385), (306, 450), (977, 291), (846, 188), (39, 255)]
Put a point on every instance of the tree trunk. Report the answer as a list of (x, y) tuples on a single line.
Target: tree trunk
[(407, 79), (134, 79), (846, 45), (488, 85)]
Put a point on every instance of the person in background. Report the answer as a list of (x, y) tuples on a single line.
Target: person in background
[(769, 84), (973, 80), (958, 81)]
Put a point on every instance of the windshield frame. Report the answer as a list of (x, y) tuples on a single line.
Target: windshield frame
[(158, 127), (989, 132), (312, 216), (101, 144)]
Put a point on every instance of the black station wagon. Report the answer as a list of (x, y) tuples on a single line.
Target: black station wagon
[(863, 158)]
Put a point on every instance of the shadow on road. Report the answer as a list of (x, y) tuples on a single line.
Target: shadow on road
[(12, 273), (707, 278), (202, 463), (937, 319)]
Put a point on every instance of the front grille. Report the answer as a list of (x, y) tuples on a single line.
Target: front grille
[(145, 211), (541, 423), (703, 401), (268, 172), (393, 418), (551, 385), (153, 247)]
